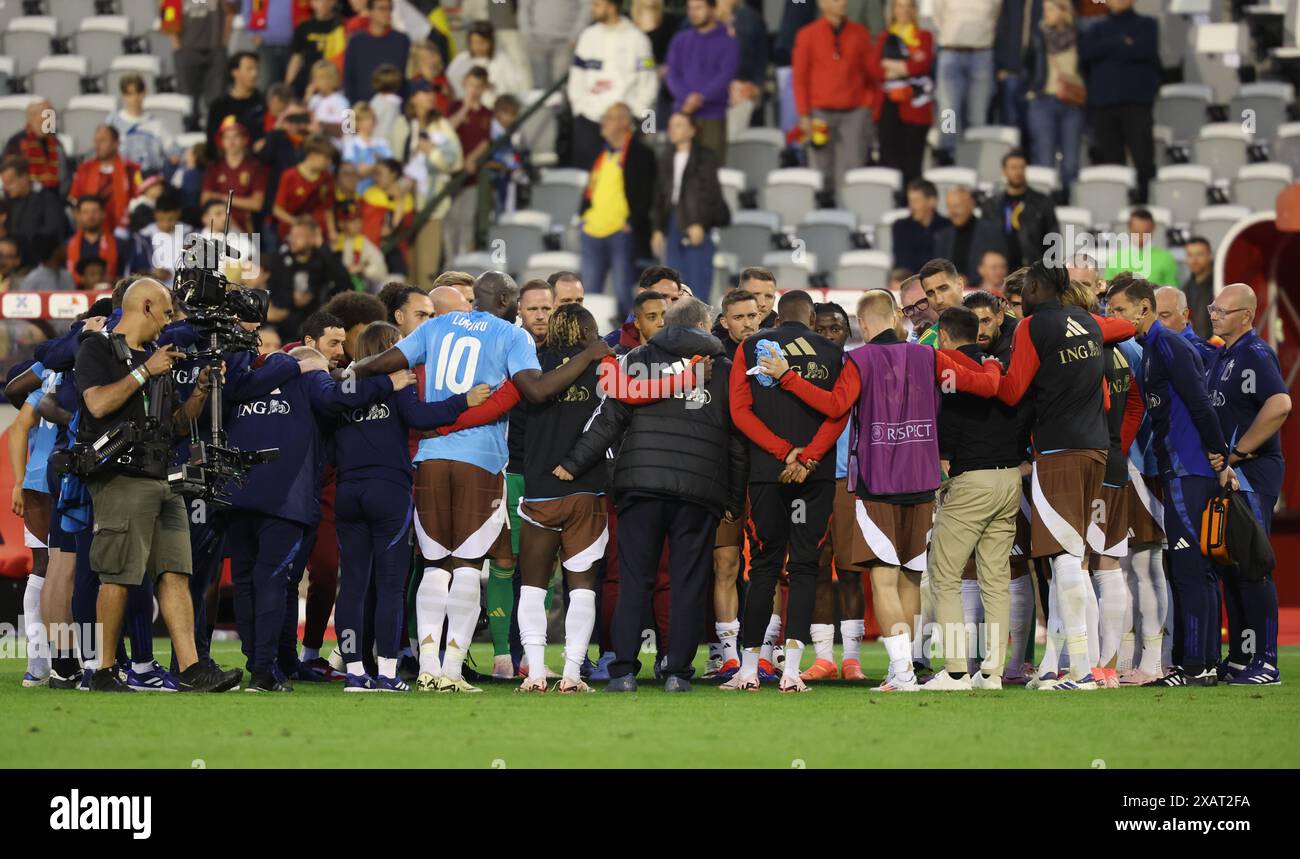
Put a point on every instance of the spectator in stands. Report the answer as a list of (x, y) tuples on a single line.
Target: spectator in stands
[(550, 29), (243, 265), (94, 237), (308, 189), (188, 175), (482, 53), (39, 146), (160, 244), (1121, 58), (1056, 93), (144, 140), (279, 97), (387, 101), (1199, 286), (567, 286), (320, 37), (199, 49), (329, 107), (430, 148), (746, 95), (243, 101), (51, 273), (360, 256), (303, 277), (426, 64), (368, 49), (237, 171), (965, 68), (992, 271), (616, 207), (388, 204), (365, 149), (1139, 254), (1017, 21), (107, 176), (508, 162), (346, 198), (896, 278), (270, 25), (659, 27), (282, 149), (472, 120), (1027, 218), (688, 204), (11, 264), (904, 112), (835, 87), (612, 64), (912, 238), (702, 63), (34, 212)]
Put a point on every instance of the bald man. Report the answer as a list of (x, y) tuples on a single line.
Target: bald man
[(449, 299), (1251, 401), (140, 523), (967, 239), (1173, 313)]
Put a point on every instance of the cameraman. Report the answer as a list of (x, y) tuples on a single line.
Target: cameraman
[(140, 524)]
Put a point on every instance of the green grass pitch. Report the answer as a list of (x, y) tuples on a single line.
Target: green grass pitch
[(836, 725)]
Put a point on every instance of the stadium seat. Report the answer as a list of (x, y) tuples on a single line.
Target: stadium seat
[(791, 269), (1044, 180), (559, 192), (791, 193), (13, 114), (862, 270), (1286, 146), (1261, 107), (6, 72), (749, 236), (542, 265), (1221, 146), (869, 191), (604, 309), (475, 263), (100, 38), (1181, 188), (70, 13), (147, 67), (27, 41), (1075, 217), (1257, 185), (1182, 109), (58, 78), (539, 131), (1214, 222), (982, 148), (756, 152), (946, 177), (725, 267), (160, 46), (827, 233), (1163, 217), (521, 234), (170, 109), (187, 141), (9, 11), (882, 237), (1103, 190), (733, 184), (84, 114), (1220, 50)]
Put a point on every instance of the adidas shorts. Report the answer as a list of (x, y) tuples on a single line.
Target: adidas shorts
[(896, 535), (843, 523), (1062, 489), (1108, 529), (460, 510), (581, 520), (1020, 547), (37, 507), (1145, 510)]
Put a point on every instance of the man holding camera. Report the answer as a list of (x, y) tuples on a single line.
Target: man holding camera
[(140, 523)]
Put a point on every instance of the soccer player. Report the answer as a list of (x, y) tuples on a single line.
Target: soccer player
[(31, 440), (1191, 452), (408, 306), (1057, 360), (1251, 401), (893, 459), (459, 485)]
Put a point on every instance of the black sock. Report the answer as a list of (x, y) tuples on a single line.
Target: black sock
[(957, 675)]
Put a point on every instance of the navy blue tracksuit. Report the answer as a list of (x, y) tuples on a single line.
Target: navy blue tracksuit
[(1185, 430), (373, 513), (279, 502)]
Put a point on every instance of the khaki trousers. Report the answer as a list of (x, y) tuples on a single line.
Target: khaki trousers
[(977, 514)]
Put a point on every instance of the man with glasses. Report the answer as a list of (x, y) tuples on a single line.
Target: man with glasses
[(1251, 402), (917, 310)]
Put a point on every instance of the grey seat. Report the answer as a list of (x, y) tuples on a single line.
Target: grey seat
[(171, 110), (756, 155), (100, 38), (1213, 223), (13, 114), (862, 270), (541, 266), (1222, 146), (868, 192), (1286, 146), (517, 236), (944, 178), (827, 234), (1262, 107), (83, 115), (883, 232), (27, 41), (1181, 188), (559, 193), (749, 236), (1257, 185), (1182, 109), (147, 67), (58, 79), (474, 263), (791, 270), (1103, 190), (733, 185), (982, 148), (791, 193)]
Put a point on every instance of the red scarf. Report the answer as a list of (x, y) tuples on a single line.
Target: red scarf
[(170, 16), (42, 154), (600, 162), (257, 14), (107, 252)]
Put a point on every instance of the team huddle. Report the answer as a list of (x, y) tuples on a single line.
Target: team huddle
[(714, 477)]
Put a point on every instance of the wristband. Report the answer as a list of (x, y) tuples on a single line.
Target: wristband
[(1241, 455), (38, 368), (139, 375)]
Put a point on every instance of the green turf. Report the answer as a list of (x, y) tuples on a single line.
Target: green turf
[(836, 725)]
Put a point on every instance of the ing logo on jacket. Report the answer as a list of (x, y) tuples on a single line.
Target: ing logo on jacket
[(264, 407), (576, 394), (377, 412)]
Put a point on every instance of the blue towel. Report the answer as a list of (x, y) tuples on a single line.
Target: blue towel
[(765, 349)]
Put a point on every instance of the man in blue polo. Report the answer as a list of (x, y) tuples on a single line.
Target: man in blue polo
[(1251, 401)]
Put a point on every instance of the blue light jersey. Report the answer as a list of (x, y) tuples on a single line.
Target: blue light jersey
[(459, 351), (40, 441), (842, 455), (1242, 377)]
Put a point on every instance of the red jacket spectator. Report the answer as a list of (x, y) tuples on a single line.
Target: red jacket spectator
[(834, 71), (113, 182), (920, 63)]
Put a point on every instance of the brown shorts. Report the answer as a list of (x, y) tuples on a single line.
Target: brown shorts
[(582, 522), (1021, 545), (843, 521), (36, 518), (1064, 487), (1145, 510), (460, 510), (731, 535), (1108, 528), (891, 534), (141, 526)]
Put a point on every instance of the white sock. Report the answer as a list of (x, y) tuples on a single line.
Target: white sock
[(1128, 640), (729, 638), (899, 648), (1072, 600), (579, 621), (462, 617), (310, 653), (356, 669), (852, 632), (1094, 618), (927, 625), (1022, 610), (770, 637), (142, 667), (430, 612), (749, 662), (1149, 572), (823, 642), (1055, 641), (715, 651), (532, 626), (793, 656), (388, 667), (1167, 619), (38, 651), (972, 615), (1111, 588)]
